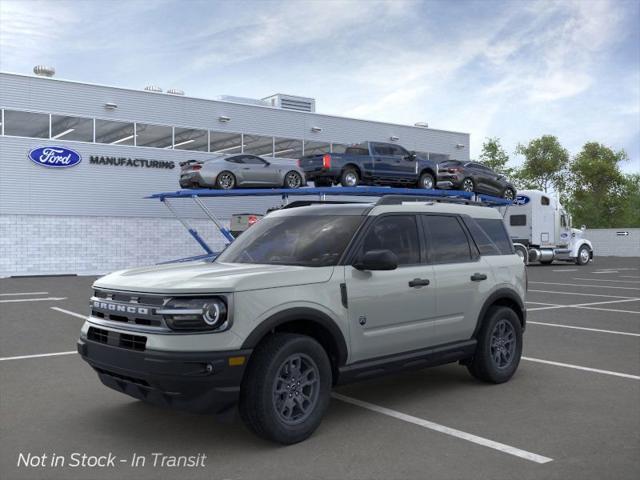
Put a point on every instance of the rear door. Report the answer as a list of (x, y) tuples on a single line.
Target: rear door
[(462, 278), (389, 312), (383, 160)]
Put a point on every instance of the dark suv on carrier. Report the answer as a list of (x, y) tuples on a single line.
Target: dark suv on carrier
[(474, 177)]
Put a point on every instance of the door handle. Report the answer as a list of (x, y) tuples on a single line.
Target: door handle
[(478, 277), (418, 282)]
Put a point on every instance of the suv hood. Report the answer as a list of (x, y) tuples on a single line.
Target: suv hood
[(206, 277)]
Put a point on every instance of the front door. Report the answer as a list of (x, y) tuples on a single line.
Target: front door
[(391, 311)]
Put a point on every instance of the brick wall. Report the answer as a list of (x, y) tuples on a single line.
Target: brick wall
[(43, 244)]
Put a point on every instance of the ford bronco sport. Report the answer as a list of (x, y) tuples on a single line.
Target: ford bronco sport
[(309, 298)]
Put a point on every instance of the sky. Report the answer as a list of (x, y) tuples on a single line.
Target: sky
[(509, 69)]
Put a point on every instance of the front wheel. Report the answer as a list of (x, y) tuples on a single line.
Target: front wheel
[(426, 182), (499, 346), (293, 180), (583, 255), (285, 391), (226, 180)]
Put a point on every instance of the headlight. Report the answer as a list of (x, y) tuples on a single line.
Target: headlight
[(196, 314)]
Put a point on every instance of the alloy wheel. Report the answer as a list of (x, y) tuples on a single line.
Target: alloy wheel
[(293, 180), (427, 182), (296, 388), (226, 181), (467, 185), (508, 194), (351, 179), (503, 344)]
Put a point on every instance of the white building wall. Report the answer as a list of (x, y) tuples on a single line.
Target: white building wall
[(606, 242), (53, 245)]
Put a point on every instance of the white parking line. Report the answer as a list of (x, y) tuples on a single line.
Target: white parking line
[(566, 270), (607, 271), (580, 294), (607, 280), (540, 303), (23, 293), (73, 314), (22, 357), (610, 310), (629, 276), (584, 286), (615, 332), (48, 299), (485, 442), (586, 305), (579, 367)]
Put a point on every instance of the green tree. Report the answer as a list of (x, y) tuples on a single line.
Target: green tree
[(599, 195), (494, 156), (545, 164)]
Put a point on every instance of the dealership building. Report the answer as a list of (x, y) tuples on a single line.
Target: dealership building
[(91, 217)]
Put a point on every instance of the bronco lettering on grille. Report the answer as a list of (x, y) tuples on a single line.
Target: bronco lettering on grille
[(115, 307)]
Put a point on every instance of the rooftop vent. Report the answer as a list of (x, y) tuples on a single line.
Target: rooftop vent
[(175, 91), (153, 88), (291, 102), (44, 71), (421, 124)]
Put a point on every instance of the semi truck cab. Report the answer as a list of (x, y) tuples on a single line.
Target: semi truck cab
[(542, 232)]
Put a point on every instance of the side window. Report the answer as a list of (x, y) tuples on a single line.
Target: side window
[(493, 239), (398, 233), (448, 241), (563, 221), (398, 151), (518, 220), (381, 149), (235, 159), (544, 201), (253, 160)]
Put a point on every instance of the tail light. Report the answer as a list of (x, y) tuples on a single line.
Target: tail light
[(299, 162), (326, 161), (454, 170), (252, 219)]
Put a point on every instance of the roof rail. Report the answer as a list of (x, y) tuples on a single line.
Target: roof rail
[(399, 199)]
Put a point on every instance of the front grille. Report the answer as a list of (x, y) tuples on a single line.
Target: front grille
[(129, 308), (126, 378), (122, 340)]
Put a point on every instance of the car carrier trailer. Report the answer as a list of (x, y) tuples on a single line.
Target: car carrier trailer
[(400, 194)]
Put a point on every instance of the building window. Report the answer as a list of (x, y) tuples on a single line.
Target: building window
[(287, 148), (225, 143), (258, 145), (191, 139), (316, 148), (71, 128), (157, 136), (115, 133), (26, 124)]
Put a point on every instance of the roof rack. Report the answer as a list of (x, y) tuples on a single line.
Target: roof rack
[(388, 196)]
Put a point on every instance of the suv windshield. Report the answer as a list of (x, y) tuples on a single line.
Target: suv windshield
[(311, 241)]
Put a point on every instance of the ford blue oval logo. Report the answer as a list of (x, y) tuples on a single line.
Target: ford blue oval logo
[(521, 200), (55, 157)]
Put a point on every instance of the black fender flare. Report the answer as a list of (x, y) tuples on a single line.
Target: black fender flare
[(495, 297), (300, 314)]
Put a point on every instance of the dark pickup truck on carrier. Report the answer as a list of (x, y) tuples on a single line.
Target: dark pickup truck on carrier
[(370, 163)]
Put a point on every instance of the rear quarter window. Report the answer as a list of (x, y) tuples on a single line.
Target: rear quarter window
[(490, 235)]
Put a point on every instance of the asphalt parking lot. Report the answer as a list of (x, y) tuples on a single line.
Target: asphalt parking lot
[(571, 411)]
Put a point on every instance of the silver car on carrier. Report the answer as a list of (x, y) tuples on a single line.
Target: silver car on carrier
[(243, 170)]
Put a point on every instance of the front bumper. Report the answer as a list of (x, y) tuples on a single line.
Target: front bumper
[(199, 382)]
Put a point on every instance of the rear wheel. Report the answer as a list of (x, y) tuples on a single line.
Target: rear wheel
[(226, 180), (583, 255), (499, 346), (426, 181), (285, 392), (349, 177), (468, 185), (293, 180)]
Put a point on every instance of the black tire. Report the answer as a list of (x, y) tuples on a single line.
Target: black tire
[(293, 180), (509, 194), (468, 185), (485, 364), (322, 182), (258, 398), (349, 177), (427, 181), (225, 180), (584, 255)]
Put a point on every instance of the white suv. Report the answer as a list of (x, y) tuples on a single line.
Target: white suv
[(311, 297)]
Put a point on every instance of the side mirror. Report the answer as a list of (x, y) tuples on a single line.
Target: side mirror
[(411, 156), (377, 260)]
